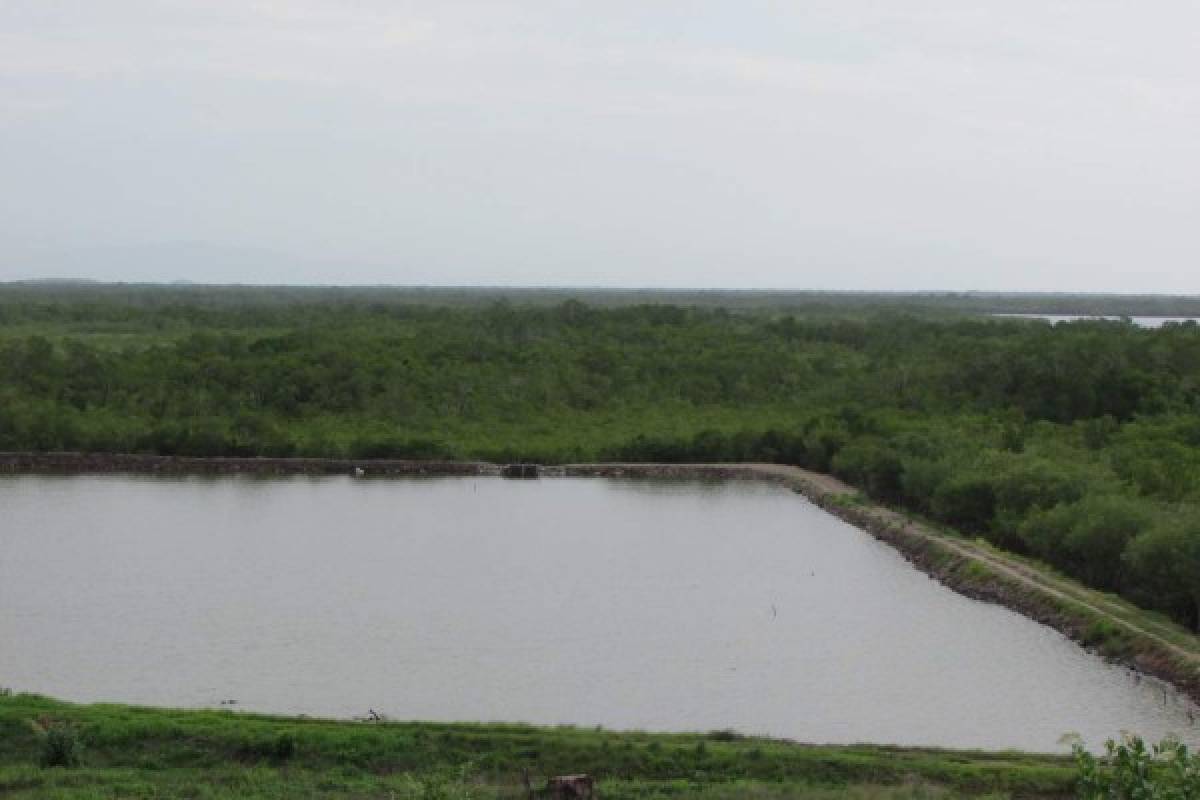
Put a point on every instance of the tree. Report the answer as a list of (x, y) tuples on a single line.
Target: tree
[(1088, 538), (1165, 562)]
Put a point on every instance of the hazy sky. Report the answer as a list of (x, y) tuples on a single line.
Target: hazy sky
[(1015, 144)]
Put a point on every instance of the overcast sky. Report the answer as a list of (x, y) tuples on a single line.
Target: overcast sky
[(1014, 144)]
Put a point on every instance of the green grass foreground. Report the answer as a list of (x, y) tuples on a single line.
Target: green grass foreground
[(132, 752)]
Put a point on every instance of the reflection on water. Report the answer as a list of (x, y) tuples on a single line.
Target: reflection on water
[(628, 604)]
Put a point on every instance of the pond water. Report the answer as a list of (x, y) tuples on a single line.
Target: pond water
[(1141, 322), (627, 604)]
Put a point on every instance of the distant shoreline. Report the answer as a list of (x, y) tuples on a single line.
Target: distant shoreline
[(158, 296)]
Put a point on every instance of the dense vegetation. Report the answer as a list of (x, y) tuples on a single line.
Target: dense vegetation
[(1078, 444), (53, 749)]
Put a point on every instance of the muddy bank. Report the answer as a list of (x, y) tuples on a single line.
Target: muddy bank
[(66, 463)]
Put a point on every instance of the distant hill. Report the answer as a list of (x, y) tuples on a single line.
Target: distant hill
[(186, 262), (234, 295), (216, 275)]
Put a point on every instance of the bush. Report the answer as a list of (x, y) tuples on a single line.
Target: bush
[(1026, 484), (60, 744), (447, 783), (1164, 563), (920, 481), (872, 465), (1130, 771), (967, 502), (725, 735), (277, 748), (823, 438), (283, 747), (1087, 539), (387, 446)]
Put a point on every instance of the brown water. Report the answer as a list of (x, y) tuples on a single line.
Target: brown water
[(655, 605)]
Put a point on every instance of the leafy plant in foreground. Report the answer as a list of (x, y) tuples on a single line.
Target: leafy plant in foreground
[(1131, 771)]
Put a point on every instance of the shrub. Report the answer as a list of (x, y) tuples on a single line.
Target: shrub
[(966, 501), (60, 744), (872, 465), (388, 446), (447, 783), (920, 481), (277, 748), (1130, 771), (1087, 538), (1164, 562), (823, 438), (283, 747)]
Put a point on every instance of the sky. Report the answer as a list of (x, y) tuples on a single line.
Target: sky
[(848, 144)]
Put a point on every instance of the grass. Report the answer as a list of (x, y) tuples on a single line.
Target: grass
[(848, 500), (133, 752)]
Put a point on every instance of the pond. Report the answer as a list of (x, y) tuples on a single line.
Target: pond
[(627, 604)]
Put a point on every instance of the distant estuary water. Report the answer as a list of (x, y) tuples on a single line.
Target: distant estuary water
[(1141, 322), (653, 605)]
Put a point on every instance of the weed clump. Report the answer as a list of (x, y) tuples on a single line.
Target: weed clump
[(61, 745), (283, 747), (1132, 771), (1109, 638), (446, 783), (277, 749)]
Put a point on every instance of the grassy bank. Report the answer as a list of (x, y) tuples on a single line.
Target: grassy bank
[(133, 752)]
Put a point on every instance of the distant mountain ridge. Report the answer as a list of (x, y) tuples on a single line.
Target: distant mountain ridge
[(218, 295), (186, 262)]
